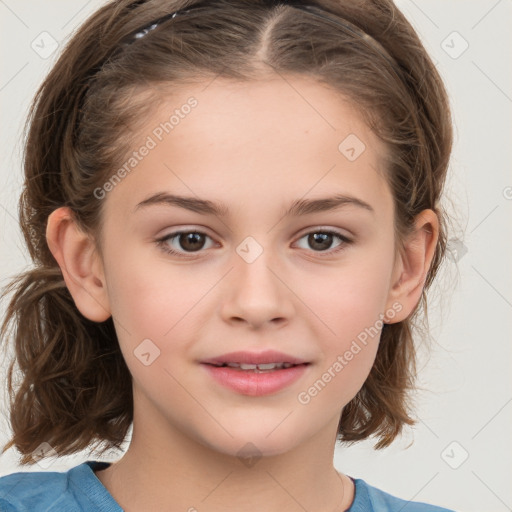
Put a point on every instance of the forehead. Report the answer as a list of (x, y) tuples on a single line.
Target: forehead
[(276, 110), (265, 140)]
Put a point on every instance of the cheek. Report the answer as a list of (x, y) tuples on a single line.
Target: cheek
[(348, 299), (347, 307), (159, 309), (148, 295), (347, 356), (152, 307)]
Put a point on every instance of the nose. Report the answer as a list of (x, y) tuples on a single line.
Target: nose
[(257, 292)]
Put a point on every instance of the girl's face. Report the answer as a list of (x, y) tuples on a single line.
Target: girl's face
[(312, 284)]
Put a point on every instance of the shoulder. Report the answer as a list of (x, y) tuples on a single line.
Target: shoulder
[(34, 490), (51, 491), (31, 490), (371, 499)]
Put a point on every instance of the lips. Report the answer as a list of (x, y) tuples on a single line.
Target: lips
[(254, 358), (262, 367), (256, 374)]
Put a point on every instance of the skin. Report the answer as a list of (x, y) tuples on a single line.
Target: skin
[(256, 147)]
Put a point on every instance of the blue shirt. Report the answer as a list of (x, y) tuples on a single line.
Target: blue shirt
[(80, 490)]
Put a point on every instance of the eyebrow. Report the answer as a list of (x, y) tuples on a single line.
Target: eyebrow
[(299, 207)]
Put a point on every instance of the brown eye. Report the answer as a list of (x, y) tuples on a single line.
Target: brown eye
[(182, 242), (321, 241), (191, 241)]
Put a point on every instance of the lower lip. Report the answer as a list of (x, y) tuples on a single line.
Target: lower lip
[(252, 383)]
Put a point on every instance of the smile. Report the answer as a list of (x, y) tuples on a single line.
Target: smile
[(257, 367), (256, 379)]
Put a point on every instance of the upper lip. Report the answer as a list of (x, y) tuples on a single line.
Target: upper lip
[(265, 357)]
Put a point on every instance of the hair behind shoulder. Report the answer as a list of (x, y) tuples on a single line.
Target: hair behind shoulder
[(75, 387)]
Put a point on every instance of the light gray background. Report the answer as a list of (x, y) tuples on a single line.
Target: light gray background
[(465, 407)]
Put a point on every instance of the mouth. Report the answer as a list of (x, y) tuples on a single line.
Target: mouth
[(256, 374), (251, 360), (257, 368)]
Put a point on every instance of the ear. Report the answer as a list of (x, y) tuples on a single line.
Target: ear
[(411, 268), (80, 264)]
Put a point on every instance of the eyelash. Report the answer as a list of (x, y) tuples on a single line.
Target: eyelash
[(161, 242)]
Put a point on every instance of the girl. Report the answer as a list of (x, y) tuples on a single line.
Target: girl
[(302, 148)]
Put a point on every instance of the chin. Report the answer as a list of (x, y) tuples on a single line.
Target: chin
[(253, 444)]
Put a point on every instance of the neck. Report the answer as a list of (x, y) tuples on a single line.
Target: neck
[(164, 469)]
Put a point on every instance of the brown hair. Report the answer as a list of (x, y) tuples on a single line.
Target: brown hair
[(75, 387)]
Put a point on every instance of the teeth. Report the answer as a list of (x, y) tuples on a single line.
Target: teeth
[(271, 366), (260, 367), (248, 366)]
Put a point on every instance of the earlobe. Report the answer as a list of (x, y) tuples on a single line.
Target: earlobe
[(80, 264), (413, 265)]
